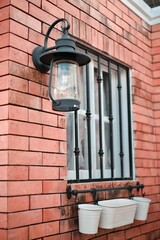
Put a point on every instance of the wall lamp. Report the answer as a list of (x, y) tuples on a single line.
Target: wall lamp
[(64, 62)]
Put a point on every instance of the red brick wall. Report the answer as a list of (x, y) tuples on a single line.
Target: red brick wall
[(33, 203)]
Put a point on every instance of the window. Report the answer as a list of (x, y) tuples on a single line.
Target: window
[(99, 134)]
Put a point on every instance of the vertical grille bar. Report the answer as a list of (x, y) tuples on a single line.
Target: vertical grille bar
[(129, 125), (88, 117), (99, 80), (121, 154), (110, 119), (76, 150)]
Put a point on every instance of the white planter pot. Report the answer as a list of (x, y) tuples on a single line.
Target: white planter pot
[(88, 216), (116, 213), (142, 208)]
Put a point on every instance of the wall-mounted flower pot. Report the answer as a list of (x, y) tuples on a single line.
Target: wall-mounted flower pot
[(88, 216), (142, 208), (117, 212)]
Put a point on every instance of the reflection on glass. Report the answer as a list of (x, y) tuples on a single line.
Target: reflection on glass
[(65, 76), (105, 94), (97, 145), (70, 141), (107, 146), (83, 143)]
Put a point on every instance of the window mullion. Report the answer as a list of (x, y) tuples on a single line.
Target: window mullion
[(76, 150), (88, 118), (110, 119), (129, 126), (121, 154), (101, 152)]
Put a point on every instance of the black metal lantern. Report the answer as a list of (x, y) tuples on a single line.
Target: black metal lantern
[(63, 61)]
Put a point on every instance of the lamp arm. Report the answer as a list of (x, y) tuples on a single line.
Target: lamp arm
[(64, 29)]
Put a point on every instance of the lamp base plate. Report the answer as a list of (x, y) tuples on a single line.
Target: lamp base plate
[(66, 105), (36, 60)]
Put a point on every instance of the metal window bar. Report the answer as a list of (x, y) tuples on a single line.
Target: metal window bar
[(76, 150), (110, 120), (121, 153), (88, 118), (101, 152), (129, 126)]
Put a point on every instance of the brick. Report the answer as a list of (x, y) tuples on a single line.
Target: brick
[(25, 129), (3, 204), (25, 158), (3, 70), (18, 142), (3, 172), (26, 100), (36, 37), (23, 5), (17, 173), (18, 56), (18, 29), (52, 214), (4, 26), (63, 147), (41, 15), (16, 83), (133, 232), (114, 9), (3, 234), (116, 236), (18, 203), (68, 225), (66, 236), (43, 172), (4, 40), (54, 133), (4, 3), (61, 122), (18, 113), (4, 142), (16, 188), (24, 218), (25, 19), (42, 118), (38, 89), (3, 127), (44, 229), (66, 6), (4, 83), (51, 159), (4, 13), (90, 21), (44, 145), (54, 186), (21, 44), (44, 201), (18, 233), (4, 158), (3, 188), (3, 220), (22, 71), (47, 106), (36, 2)]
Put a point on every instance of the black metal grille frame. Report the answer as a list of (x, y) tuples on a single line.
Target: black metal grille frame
[(88, 117)]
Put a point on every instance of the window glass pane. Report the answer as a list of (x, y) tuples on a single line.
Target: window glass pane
[(105, 94), (107, 146), (70, 141), (96, 100), (83, 164)]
